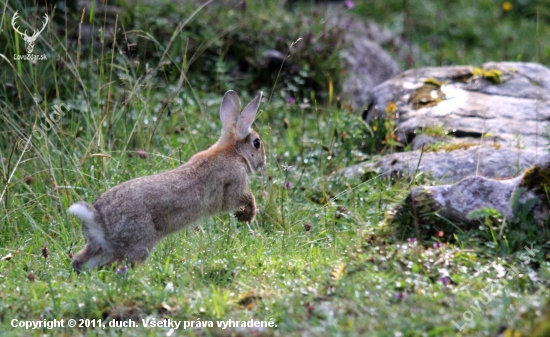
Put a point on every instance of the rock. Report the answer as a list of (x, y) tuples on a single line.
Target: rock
[(275, 61), (366, 63), (448, 167), (495, 115), (522, 201)]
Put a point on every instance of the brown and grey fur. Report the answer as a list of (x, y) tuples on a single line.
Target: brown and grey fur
[(126, 222)]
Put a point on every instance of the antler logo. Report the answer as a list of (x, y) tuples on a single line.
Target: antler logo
[(29, 40)]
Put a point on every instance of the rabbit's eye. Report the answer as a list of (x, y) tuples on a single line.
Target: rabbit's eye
[(256, 143)]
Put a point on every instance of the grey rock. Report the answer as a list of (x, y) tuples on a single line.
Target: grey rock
[(455, 202), (500, 122), (448, 167), (275, 61), (470, 194), (519, 105), (366, 63)]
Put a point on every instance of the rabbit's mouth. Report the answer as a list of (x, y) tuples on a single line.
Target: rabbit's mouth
[(261, 170)]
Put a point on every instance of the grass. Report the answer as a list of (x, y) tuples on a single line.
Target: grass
[(316, 261), (451, 33)]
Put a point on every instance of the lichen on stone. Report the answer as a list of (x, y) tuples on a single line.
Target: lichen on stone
[(434, 81), (492, 75), (433, 131), (536, 178), (427, 95), (449, 147)]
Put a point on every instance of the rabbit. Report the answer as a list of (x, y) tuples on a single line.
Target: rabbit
[(126, 222)]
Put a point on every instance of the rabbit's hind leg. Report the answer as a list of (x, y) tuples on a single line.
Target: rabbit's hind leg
[(85, 255), (81, 257), (110, 262), (138, 255), (94, 261)]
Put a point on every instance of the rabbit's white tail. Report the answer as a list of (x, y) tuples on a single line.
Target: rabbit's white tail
[(93, 231)]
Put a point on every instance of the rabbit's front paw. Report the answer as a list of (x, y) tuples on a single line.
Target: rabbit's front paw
[(77, 266), (245, 214)]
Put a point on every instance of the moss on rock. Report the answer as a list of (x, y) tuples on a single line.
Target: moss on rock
[(536, 178), (492, 75)]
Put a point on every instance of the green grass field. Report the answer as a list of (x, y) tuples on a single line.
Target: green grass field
[(317, 261)]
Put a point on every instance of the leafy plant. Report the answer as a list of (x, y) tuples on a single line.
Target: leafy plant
[(523, 211), (485, 213)]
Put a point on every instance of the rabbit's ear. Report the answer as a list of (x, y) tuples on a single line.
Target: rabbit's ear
[(247, 117), (229, 110)]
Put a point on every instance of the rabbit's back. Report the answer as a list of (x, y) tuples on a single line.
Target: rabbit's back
[(165, 202)]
